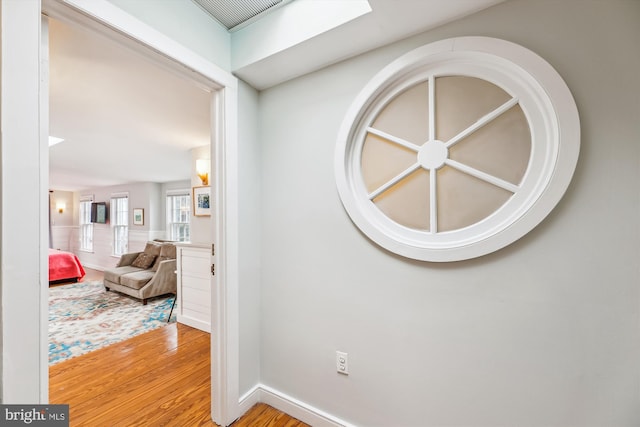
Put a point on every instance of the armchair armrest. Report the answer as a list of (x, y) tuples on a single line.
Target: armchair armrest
[(164, 281)]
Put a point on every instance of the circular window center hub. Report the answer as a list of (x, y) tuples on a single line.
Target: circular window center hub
[(433, 154)]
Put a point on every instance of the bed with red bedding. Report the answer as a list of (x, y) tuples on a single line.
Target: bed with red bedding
[(64, 267)]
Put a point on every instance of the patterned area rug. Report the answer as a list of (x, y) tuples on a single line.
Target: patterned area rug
[(84, 317)]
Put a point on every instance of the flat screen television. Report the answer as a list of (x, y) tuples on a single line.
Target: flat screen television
[(99, 212)]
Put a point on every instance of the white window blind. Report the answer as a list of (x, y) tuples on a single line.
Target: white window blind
[(120, 224), (86, 227), (178, 215)]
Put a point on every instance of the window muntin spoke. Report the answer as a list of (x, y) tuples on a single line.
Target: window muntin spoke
[(501, 148), (400, 204), (394, 139), (483, 176), (432, 107), (381, 160), (462, 100), (433, 201), (402, 119), (483, 121), (393, 181), (464, 200)]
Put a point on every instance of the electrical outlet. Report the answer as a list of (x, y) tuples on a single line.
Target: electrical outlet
[(342, 362)]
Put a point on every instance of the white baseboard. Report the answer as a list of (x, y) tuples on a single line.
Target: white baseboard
[(94, 267), (194, 323), (289, 405), (249, 399)]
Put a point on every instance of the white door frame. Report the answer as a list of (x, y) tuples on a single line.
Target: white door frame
[(24, 206), (103, 16)]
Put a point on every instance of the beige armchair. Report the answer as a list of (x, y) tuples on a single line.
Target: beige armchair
[(145, 274)]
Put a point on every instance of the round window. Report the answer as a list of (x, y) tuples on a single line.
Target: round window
[(457, 149)]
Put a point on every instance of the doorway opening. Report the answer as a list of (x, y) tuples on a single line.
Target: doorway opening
[(117, 25)]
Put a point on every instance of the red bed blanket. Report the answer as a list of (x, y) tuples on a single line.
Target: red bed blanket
[(64, 265)]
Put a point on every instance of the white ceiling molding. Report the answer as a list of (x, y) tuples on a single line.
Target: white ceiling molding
[(385, 21), (282, 29)]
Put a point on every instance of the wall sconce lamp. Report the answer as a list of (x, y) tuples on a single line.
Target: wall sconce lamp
[(202, 169), (60, 206)]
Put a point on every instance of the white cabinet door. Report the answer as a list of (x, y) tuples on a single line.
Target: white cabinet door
[(194, 289)]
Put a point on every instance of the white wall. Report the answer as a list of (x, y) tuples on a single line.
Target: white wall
[(145, 195), (249, 237), (200, 227), (186, 23), (62, 224), (176, 185), (543, 332)]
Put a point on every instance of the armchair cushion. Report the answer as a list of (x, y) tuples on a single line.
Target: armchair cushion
[(167, 251), (152, 248), (137, 279), (113, 275), (144, 260)]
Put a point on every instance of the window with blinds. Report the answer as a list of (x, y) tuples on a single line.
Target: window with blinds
[(86, 227), (120, 224), (178, 216)]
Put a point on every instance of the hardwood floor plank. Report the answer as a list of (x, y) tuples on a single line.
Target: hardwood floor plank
[(159, 378), (266, 416), (138, 400), (137, 369), (194, 408), (114, 354)]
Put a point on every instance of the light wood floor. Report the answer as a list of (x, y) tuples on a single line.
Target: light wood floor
[(91, 275), (159, 378)]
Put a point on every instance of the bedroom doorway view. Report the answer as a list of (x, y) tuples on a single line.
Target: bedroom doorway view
[(118, 134)]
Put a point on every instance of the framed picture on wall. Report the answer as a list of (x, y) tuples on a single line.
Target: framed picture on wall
[(202, 201), (138, 216)]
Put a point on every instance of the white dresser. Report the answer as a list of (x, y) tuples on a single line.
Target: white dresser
[(194, 285)]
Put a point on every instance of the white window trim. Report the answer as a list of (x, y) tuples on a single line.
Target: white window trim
[(85, 198), (112, 225), (176, 192), (550, 110), (180, 192)]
